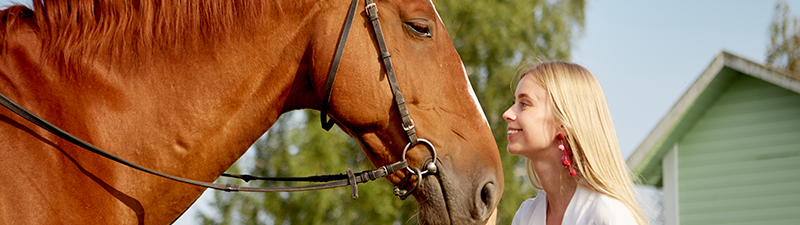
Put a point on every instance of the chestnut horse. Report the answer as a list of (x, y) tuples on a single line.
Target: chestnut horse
[(184, 87)]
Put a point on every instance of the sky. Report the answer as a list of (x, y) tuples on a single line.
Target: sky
[(646, 54)]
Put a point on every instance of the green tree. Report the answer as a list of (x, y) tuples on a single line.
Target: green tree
[(783, 51), (495, 38)]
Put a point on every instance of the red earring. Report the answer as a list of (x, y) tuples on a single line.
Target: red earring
[(566, 159)]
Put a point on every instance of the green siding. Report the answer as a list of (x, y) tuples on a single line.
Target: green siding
[(740, 162), (652, 172)]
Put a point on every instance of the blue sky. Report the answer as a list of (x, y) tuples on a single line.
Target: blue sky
[(646, 54)]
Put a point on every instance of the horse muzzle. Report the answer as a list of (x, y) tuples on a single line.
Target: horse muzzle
[(450, 197)]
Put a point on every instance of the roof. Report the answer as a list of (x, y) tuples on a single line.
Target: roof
[(646, 159)]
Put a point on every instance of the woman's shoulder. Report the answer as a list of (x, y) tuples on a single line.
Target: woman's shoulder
[(527, 209), (532, 202), (608, 210), (528, 204)]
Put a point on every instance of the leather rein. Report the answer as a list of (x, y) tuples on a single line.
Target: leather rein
[(333, 181)]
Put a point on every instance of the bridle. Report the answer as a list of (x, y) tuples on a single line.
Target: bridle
[(333, 181), (399, 100)]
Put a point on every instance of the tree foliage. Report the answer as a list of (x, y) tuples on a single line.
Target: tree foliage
[(495, 38), (783, 51)]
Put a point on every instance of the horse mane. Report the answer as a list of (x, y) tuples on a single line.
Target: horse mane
[(73, 32)]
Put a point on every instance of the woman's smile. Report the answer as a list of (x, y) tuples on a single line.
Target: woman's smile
[(513, 132)]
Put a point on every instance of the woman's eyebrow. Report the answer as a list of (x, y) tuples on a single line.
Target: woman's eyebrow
[(523, 95)]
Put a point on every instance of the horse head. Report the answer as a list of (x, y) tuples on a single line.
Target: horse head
[(468, 182)]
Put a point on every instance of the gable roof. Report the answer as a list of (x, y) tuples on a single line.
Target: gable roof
[(646, 159)]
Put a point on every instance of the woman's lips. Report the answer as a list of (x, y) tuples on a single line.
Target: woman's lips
[(513, 132)]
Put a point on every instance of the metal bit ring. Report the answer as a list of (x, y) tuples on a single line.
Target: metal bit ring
[(431, 167)]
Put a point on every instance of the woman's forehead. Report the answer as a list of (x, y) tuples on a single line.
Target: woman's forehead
[(531, 88)]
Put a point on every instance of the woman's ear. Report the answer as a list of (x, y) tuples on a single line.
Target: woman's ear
[(562, 129)]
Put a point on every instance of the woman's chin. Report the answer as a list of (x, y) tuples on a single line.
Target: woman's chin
[(514, 149)]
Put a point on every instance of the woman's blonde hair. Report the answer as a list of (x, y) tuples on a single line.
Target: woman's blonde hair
[(579, 105)]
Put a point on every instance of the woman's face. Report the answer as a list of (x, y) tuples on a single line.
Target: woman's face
[(531, 125)]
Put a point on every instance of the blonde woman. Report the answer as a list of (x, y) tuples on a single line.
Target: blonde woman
[(561, 124)]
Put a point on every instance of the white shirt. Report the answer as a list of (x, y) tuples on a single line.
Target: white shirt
[(585, 207)]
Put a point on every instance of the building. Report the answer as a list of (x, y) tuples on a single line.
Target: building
[(728, 152)]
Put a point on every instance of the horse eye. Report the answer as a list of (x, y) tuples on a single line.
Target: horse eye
[(419, 29)]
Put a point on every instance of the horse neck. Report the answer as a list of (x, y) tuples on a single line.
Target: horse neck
[(204, 105), (190, 114)]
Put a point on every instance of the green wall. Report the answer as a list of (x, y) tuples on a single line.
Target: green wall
[(740, 162)]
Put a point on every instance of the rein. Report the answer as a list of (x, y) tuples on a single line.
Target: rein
[(351, 178), (339, 180)]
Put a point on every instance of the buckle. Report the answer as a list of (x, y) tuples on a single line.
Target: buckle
[(407, 128), (369, 7)]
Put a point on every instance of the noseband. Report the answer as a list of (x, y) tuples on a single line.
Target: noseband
[(333, 181)]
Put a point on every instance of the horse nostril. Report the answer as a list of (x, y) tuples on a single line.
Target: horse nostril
[(487, 199), (485, 192)]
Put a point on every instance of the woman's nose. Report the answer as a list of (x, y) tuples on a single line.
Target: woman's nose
[(509, 115)]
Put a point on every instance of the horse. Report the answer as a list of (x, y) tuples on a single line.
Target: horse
[(185, 87)]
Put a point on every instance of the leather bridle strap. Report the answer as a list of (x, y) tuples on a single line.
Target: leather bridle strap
[(400, 101), (372, 12), (337, 58)]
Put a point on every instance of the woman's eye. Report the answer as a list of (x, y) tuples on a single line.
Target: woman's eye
[(419, 29)]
